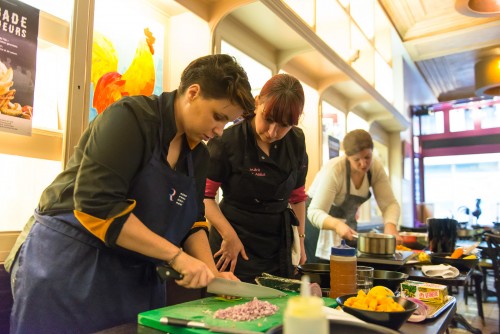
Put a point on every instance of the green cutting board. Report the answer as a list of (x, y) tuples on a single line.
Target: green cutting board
[(203, 310)]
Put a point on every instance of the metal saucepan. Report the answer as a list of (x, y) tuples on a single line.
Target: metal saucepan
[(376, 243)]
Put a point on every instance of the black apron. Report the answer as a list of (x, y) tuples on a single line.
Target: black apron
[(68, 281), (260, 215), (347, 210)]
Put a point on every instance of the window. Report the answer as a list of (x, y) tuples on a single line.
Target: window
[(333, 124), (356, 122), (304, 8), (461, 119), (490, 117), (257, 73), (432, 124), (455, 181)]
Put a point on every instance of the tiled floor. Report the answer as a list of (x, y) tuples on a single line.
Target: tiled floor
[(469, 312)]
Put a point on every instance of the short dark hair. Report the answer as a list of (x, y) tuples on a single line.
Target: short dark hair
[(220, 77), (283, 96), (357, 141)]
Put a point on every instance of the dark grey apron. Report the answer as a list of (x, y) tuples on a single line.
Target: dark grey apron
[(68, 281), (347, 210), (260, 216)]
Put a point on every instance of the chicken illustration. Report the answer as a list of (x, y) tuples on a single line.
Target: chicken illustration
[(109, 85)]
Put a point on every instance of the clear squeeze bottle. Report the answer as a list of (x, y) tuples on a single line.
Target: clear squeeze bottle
[(304, 313), (342, 270)]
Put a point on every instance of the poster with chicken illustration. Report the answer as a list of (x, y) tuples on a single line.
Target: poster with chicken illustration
[(18, 44), (127, 53)]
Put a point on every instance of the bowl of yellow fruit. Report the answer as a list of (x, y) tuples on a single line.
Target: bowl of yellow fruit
[(379, 306), (456, 259)]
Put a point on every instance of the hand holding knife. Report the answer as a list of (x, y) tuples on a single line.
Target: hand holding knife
[(224, 287)]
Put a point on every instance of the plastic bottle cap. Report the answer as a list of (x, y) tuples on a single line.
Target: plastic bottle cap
[(343, 250), (305, 286)]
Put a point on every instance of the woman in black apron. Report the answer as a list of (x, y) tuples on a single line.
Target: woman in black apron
[(338, 191), (130, 197), (260, 165)]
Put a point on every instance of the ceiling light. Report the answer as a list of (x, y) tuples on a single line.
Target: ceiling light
[(478, 8), (487, 72)]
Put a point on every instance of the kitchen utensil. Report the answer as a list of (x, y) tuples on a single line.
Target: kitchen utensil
[(226, 287), (390, 279), (376, 243), (364, 278), (393, 320), (468, 250), (280, 283), (317, 272), (198, 324)]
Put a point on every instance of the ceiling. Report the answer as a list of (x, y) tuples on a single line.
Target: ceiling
[(444, 43)]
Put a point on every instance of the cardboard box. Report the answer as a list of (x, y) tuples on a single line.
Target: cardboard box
[(427, 292)]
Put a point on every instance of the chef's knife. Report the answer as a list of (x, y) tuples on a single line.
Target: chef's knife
[(198, 324), (221, 286)]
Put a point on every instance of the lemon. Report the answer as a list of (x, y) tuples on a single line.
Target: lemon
[(470, 257), (380, 290), (424, 257)]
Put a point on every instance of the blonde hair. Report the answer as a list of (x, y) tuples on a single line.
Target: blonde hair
[(357, 141)]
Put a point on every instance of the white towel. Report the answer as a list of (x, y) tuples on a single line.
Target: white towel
[(442, 270)]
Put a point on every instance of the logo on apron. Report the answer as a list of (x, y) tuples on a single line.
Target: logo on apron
[(172, 194), (181, 199), (256, 171)]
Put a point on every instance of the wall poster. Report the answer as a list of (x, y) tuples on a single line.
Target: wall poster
[(333, 147), (18, 45)]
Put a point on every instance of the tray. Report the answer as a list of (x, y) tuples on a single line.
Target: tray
[(435, 310)]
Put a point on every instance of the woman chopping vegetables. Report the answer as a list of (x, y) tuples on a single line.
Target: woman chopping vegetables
[(261, 166), (129, 198)]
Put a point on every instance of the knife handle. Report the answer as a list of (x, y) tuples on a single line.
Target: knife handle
[(166, 272), (182, 322)]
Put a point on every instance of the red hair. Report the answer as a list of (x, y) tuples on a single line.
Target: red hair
[(283, 97)]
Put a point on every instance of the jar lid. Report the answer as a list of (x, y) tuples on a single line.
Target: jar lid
[(343, 250)]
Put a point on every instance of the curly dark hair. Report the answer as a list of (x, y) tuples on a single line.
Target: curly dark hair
[(220, 77)]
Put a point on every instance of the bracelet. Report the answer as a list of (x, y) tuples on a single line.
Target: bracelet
[(302, 235), (172, 260)]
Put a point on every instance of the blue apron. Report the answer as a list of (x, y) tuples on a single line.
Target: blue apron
[(68, 281), (260, 216)]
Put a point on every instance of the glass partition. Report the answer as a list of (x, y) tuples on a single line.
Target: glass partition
[(29, 164)]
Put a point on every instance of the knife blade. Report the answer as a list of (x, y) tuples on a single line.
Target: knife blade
[(198, 324), (221, 286)]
